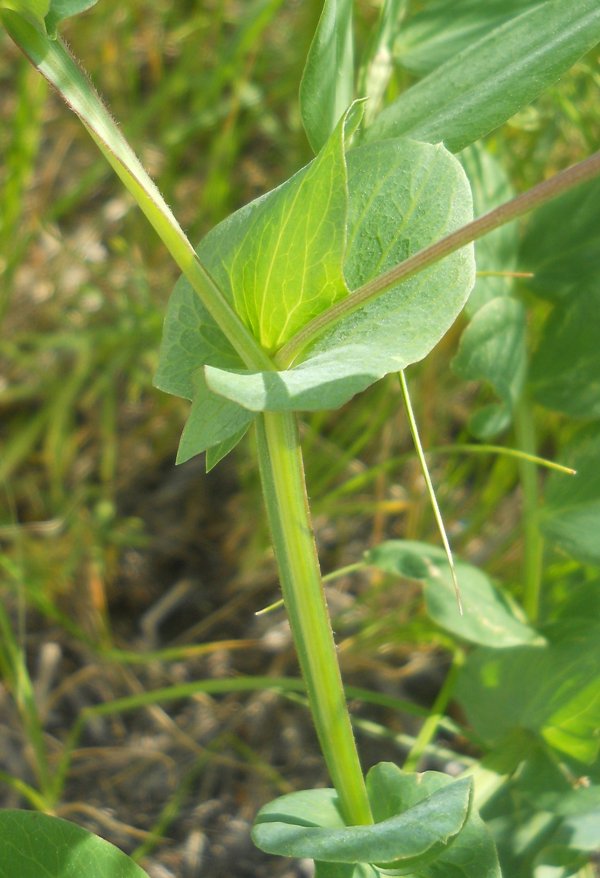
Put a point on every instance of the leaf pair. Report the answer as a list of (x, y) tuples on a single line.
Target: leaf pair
[(291, 254), (424, 827)]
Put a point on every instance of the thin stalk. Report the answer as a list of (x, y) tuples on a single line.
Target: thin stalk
[(511, 210), (55, 63), (14, 669), (31, 795), (284, 489), (414, 432), (430, 726), (533, 543)]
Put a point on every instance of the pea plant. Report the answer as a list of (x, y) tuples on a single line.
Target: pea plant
[(353, 269)]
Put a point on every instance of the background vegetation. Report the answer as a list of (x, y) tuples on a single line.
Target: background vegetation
[(122, 574)]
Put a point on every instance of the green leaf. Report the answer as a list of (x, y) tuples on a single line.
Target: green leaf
[(571, 515), (550, 690), (564, 256), (542, 782), (35, 845), (489, 617), (403, 196), (212, 421), (481, 87), (439, 31), (556, 861), (33, 10), (61, 9), (280, 257), (216, 453), (493, 349), (565, 368), (472, 854), (46, 14), (327, 86), (496, 252), (309, 824)]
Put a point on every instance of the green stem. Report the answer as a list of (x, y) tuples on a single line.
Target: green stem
[(55, 63), (525, 432), (284, 489), (431, 724)]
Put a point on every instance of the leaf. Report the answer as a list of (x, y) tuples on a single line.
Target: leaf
[(542, 783), (493, 349), (285, 266), (311, 386), (537, 806), (403, 196), (33, 10), (280, 258), (571, 515), (564, 256), (490, 80), (439, 32), (565, 368), (216, 453), (327, 85), (496, 252), (580, 832), (309, 824), (488, 618), (472, 853), (35, 845), (550, 690), (261, 258), (61, 9), (556, 861), (212, 421)]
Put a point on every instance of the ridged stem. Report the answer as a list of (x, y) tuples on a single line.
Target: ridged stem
[(284, 490)]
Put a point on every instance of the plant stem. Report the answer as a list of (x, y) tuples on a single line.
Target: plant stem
[(414, 431), (505, 213), (55, 63), (430, 726), (525, 432), (284, 489)]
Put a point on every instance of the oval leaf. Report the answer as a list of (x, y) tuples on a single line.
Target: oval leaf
[(489, 618), (403, 197), (35, 844), (472, 854), (292, 826)]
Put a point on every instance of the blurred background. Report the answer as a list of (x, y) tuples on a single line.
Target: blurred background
[(122, 574)]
